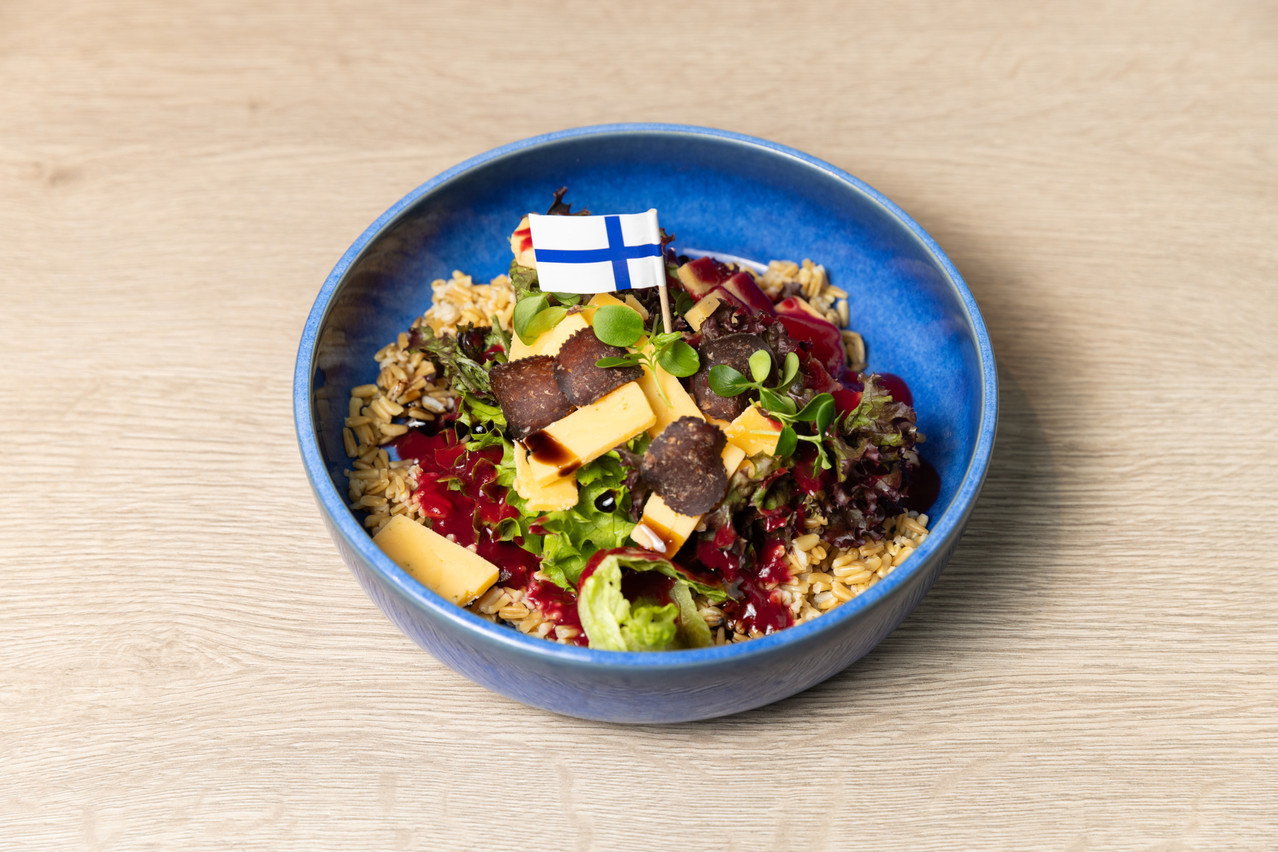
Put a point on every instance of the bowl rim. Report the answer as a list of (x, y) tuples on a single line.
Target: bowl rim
[(343, 523)]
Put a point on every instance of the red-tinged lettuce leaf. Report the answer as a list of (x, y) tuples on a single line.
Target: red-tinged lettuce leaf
[(461, 358)]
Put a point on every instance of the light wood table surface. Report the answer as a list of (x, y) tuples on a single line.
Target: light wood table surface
[(186, 663)]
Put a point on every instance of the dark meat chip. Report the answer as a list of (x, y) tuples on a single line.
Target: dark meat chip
[(733, 350), (528, 394), (579, 379), (684, 464)]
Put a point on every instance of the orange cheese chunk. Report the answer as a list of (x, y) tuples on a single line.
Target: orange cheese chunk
[(588, 433), (521, 245), (754, 432), (559, 495), (636, 306), (598, 301), (549, 342), (681, 403), (443, 566), (662, 529), (722, 424), (702, 310)]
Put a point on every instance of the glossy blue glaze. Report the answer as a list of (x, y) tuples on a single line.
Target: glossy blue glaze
[(716, 191)]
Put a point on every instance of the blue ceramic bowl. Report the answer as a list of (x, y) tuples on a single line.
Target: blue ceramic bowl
[(716, 191)]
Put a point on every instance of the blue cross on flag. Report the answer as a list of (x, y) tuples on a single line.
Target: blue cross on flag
[(597, 254)]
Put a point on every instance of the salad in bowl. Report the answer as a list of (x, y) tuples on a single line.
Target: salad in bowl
[(576, 469)]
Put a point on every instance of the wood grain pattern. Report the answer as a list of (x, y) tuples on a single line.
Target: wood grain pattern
[(185, 662)]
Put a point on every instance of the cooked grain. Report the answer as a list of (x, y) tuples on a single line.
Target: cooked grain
[(408, 393), (806, 542)]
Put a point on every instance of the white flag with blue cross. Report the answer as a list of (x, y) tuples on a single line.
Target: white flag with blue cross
[(597, 254)]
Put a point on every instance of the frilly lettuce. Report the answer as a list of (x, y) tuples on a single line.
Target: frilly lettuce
[(572, 537), (613, 623), (566, 540)]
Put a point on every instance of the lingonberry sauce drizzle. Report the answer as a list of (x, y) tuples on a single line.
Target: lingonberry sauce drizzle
[(896, 386), (558, 605), (925, 487), (469, 515), (757, 609)]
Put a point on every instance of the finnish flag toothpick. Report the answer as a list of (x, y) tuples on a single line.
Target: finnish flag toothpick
[(598, 254)]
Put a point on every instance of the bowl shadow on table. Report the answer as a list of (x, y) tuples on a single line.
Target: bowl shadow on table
[(990, 580)]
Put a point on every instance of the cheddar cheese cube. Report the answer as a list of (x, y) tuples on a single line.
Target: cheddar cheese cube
[(598, 301), (637, 306), (662, 529), (559, 495), (443, 566), (702, 310), (681, 403), (754, 432), (549, 342), (588, 433)]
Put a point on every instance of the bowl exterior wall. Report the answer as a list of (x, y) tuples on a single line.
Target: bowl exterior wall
[(639, 695), (920, 322)]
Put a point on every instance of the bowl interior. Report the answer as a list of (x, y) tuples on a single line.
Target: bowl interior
[(715, 194)]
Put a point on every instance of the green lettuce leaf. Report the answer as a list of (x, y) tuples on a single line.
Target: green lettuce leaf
[(523, 279), (490, 421), (573, 536), (510, 529), (615, 624), (603, 608), (692, 627), (650, 627)]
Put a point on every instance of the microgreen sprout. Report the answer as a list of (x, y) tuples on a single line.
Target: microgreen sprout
[(535, 314), (621, 326), (820, 411)]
